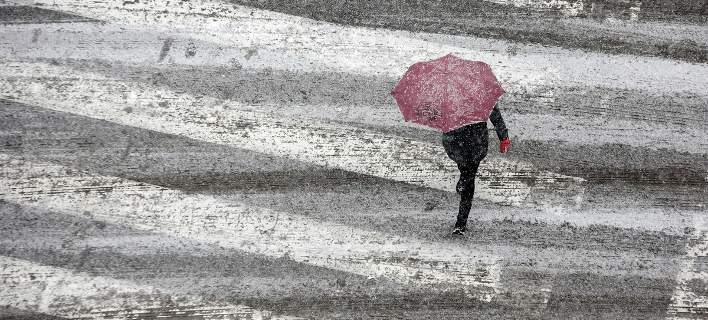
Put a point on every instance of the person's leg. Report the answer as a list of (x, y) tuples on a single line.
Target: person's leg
[(465, 187)]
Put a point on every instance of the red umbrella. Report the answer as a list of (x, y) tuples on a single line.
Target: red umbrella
[(447, 93)]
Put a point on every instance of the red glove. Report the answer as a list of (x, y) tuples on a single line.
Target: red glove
[(504, 145)]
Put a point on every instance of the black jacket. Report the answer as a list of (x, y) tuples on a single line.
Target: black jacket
[(496, 118), (469, 143)]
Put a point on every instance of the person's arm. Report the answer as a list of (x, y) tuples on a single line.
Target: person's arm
[(500, 128)]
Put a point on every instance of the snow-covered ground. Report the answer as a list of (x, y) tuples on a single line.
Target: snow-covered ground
[(124, 124)]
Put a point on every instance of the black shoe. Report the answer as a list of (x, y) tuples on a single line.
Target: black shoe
[(459, 231)]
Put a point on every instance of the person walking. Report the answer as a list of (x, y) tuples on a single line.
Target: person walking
[(467, 146), (457, 97)]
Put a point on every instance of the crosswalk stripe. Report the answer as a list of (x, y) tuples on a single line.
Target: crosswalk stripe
[(339, 146), (684, 301), (67, 90), (687, 302), (227, 122), (571, 8), (295, 43), (256, 230), (33, 287), (107, 42)]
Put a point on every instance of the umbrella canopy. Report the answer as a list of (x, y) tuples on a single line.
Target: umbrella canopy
[(447, 93)]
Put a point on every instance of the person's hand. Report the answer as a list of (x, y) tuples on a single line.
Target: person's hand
[(504, 145)]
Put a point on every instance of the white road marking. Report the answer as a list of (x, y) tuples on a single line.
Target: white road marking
[(414, 162), (231, 123), (260, 231), (570, 8), (686, 302), (64, 293), (121, 44), (293, 43)]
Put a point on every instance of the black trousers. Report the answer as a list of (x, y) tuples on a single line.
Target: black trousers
[(467, 146), (465, 188)]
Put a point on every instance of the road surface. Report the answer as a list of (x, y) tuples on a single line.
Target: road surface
[(205, 160)]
